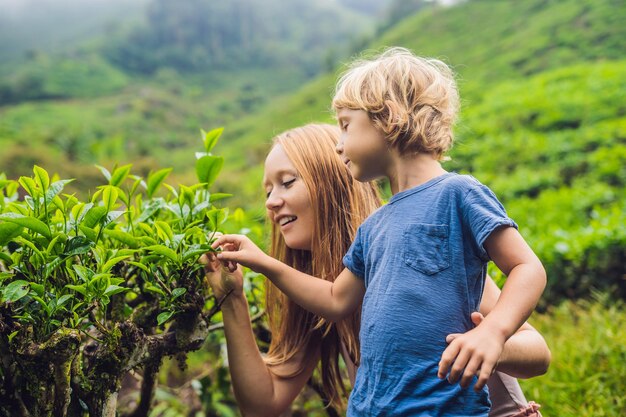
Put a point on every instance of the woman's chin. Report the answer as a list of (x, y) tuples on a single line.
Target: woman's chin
[(297, 244)]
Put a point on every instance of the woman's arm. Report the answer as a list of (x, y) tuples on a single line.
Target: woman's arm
[(259, 391), (526, 353)]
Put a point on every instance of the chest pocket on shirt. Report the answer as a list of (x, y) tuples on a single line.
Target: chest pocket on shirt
[(426, 247)]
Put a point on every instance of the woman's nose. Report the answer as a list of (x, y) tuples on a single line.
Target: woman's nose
[(273, 202)]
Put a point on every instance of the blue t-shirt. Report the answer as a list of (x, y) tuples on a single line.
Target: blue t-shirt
[(423, 262)]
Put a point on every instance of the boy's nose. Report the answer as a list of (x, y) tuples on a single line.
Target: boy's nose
[(339, 147)]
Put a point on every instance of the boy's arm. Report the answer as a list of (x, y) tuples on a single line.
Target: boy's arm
[(525, 354), (526, 280), (331, 300), (478, 351)]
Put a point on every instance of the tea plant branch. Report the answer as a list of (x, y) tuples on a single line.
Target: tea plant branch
[(103, 330), (161, 283), (148, 385), (216, 306)]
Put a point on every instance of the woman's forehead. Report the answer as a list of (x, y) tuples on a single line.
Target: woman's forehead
[(277, 164)]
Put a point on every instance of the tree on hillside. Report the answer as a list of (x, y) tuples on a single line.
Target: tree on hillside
[(195, 35)]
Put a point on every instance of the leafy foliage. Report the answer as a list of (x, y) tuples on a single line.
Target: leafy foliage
[(553, 149), (118, 273), (588, 346)]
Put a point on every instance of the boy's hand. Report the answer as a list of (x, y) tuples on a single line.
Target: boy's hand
[(240, 249), (476, 317), (473, 353), (221, 278)]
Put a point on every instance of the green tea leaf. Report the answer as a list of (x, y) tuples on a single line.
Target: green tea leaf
[(115, 289), (104, 172), (218, 196), (155, 180), (177, 292), (8, 261), (163, 317), (56, 188), (111, 217), (163, 251), (42, 179), (28, 222), (111, 263), (77, 245), (109, 197), (8, 232), (154, 289), (50, 267), (120, 174), (164, 231), (29, 185), (196, 251), (64, 299), (140, 266), (93, 216), (126, 238), (208, 168), (38, 288), (217, 217), (78, 288), (211, 138), (43, 304), (84, 273), (89, 233), (16, 290)]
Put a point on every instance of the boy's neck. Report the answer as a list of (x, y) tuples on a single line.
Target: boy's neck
[(411, 171)]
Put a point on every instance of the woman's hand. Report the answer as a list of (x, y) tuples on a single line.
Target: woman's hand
[(222, 279), (240, 249)]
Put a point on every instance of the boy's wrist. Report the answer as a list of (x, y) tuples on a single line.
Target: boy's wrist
[(269, 266), (496, 328)]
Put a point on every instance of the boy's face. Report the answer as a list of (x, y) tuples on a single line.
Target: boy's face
[(362, 146)]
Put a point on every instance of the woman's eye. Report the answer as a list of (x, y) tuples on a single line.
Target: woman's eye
[(288, 183)]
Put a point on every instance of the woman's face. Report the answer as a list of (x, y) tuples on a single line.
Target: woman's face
[(288, 201)]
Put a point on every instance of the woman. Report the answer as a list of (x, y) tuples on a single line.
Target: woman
[(315, 208)]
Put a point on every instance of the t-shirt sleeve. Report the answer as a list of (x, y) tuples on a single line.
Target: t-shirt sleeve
[(482, 214), (353, 260)]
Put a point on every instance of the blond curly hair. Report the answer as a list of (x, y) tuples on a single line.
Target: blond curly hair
[(414, 101)]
